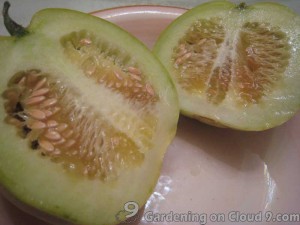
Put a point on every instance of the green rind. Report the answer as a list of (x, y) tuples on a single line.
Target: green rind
[(47, 186), (273, 111)]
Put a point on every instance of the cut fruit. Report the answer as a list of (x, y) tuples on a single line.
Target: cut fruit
[(235, 66), (87, 114)]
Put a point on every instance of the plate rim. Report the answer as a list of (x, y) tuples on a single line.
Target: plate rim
[(138, 8)]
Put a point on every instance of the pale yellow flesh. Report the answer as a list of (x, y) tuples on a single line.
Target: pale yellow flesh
[(48, 186), (275, 106)]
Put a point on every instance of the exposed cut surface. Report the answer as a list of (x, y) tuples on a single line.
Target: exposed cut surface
[(251, 61), (48, 114), (109, 66)]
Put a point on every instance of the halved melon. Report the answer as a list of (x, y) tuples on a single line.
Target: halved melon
[(235, 65), (87, 113)]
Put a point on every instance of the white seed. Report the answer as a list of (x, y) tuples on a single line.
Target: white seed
[(61, 141), (110, 84), (149, 89), (139, 85), (70, 143), (39, 92), (182, 52), (46, 145), (51, 123), (34, 100), (37, 125), (85, 41), (91, 70), (136, 77), (202, 41), (68, 133), (61, 127), (22, 81), (52, 135), (40, 84), (129, 83), (48, 113), (56, 152), (134, 70), (86, 171), (13, 121), (36, 114), (11, 94), (55, 110), (181, 59), (125, 83), (118, 75), (49, 102)]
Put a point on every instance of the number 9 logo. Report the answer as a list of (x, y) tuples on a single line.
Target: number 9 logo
[(132, 208)]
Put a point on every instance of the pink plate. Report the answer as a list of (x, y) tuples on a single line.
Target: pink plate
[(218, 174), (210, 174)]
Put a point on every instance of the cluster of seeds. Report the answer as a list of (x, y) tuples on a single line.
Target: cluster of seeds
[(48, 115), (194, 57), (110, 67), (261, 56)]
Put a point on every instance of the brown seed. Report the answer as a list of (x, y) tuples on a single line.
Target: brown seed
[(36, 125), (40, 84), (39, 92), (52, 135), (49, 102), (46, 145), (36, 114), (51, 123), (34, 100)]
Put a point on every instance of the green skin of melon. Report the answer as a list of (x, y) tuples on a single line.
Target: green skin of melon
[(46, 186), (276, 107)]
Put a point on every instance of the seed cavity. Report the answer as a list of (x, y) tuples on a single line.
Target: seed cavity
[(109, 66), (252, 65), (76, 137)]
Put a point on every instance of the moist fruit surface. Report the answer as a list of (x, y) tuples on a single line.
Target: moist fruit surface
[(235, 65), (87, 112)]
